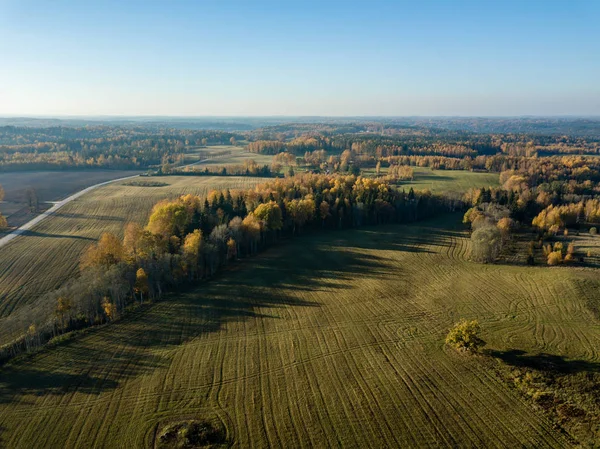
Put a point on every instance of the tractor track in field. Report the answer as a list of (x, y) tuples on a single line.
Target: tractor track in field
[(355, 360)]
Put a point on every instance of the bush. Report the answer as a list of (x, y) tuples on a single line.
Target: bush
[(594, 230), (465, 336), (554, 258)]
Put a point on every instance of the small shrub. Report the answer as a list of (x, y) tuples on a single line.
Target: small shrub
[(594, 230), (465, 336)]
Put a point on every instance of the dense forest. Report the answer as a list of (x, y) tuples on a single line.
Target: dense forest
[(146, 145)]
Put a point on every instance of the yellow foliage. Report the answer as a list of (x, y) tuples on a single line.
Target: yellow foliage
[(108, 251), (555, 258), (465, 336)]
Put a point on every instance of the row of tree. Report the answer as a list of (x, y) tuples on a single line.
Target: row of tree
[(191, 238)]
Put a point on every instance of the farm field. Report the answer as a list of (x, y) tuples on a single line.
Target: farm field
[(237, 157), (42, 259), (333, 339), (444, 181), (49, 186)]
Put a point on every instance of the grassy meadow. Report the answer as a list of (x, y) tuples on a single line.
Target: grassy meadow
[(42, 259), (238, 156), (444, 181), (333, 339)]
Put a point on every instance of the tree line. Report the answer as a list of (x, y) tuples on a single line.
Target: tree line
[(192, 238)]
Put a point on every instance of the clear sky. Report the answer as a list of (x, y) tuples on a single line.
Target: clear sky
[(286, 57)]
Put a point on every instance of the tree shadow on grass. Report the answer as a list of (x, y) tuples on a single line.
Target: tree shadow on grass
[(256, 288), (89, 216), (29, 233), (423, 237), (250, 289), (545, 362), (76, 366)]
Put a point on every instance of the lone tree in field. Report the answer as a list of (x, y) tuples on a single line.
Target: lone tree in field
[(465, 336), (486, 242)]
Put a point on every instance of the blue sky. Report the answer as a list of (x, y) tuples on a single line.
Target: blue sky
[(299, 57)]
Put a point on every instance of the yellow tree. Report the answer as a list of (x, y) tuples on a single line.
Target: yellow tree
[(141, 283), (324, 211), (300, 211), (231, 249), (168, 218), (109, 308), (191, 250), (108, 251), (131, 241), (270, 214), (251, 230), (63, 306)]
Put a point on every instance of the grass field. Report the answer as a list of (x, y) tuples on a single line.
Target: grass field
[(49, 186), (334, 339), (45, 257), (444, 181), (237, 157)]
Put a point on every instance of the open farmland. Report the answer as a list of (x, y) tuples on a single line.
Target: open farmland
[(48, 186), (237, 156), (447, 181), (42, 259), (335, 339)]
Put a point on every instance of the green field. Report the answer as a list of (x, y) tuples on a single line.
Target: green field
[(43, 259), (237, 157), (444, 181), (333, 339)]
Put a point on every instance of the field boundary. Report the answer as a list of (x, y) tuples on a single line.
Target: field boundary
[(56, 206)]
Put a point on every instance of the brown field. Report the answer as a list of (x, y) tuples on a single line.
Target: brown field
[(49, 186)]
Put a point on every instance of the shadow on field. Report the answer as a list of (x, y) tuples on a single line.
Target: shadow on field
[(432, 177), (545, 362), (411, 238), (30, 233), (88, 216), (257, 288), (278, 279), (83, 368)]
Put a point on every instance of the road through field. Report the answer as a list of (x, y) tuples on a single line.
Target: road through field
[(57, 205)]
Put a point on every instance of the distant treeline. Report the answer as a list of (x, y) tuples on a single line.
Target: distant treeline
[(133, 147), (24, 148)]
